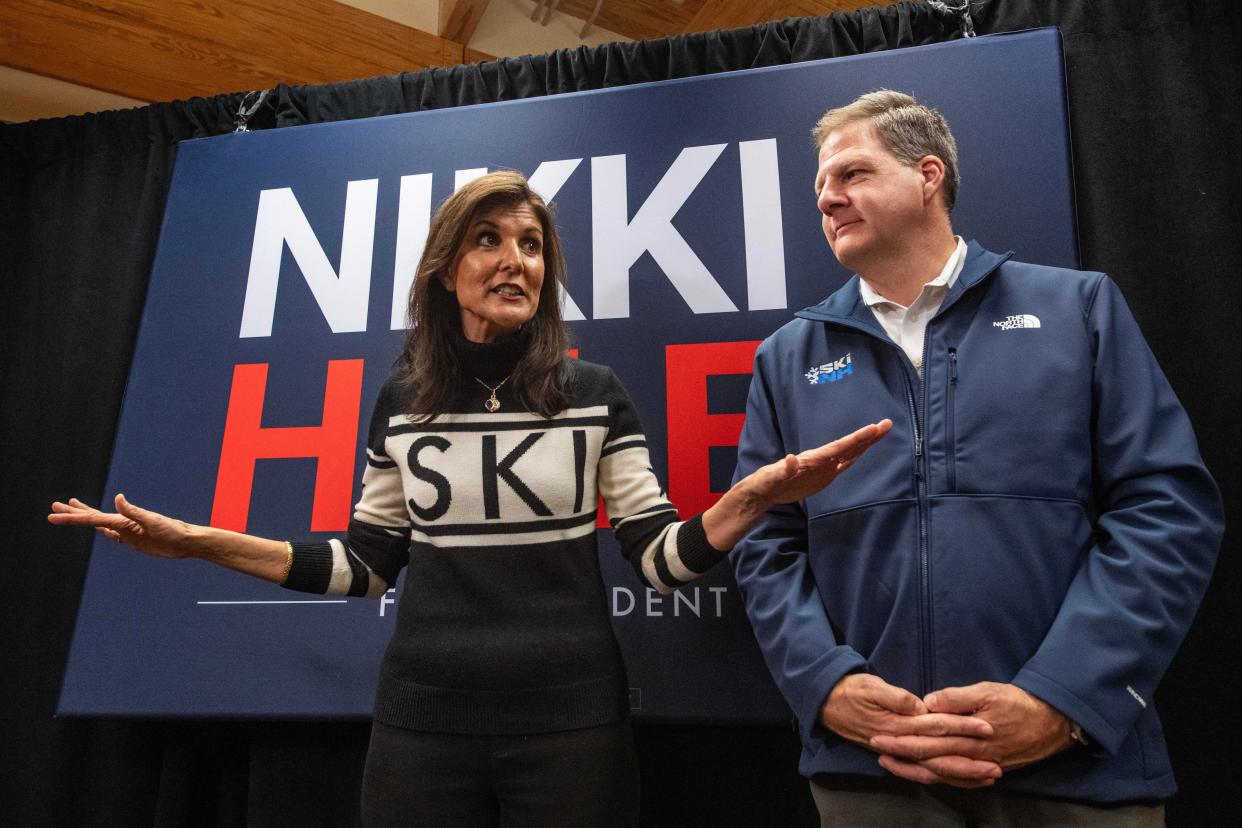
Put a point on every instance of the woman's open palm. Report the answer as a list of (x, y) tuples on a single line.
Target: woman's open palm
[(144, 530)]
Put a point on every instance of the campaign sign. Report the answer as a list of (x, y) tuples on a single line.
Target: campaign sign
[(276, 309)]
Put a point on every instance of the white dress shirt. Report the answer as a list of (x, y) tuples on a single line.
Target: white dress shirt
[(907, 325)]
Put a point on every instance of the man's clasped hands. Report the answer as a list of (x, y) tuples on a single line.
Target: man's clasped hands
[(961, 736)]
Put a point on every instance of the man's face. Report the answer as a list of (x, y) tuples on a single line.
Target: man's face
[(872, 203)]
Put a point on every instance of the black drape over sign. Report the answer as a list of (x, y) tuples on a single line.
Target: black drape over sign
[(1155, 105)]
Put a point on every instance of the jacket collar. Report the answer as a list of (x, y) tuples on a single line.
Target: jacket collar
[(845, 306)]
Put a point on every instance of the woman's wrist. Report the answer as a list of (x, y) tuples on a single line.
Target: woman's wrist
[(731, 517), (749, 504), (270, 560), (198, 542)]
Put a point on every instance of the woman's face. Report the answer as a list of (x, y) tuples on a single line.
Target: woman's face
[(499, 272)]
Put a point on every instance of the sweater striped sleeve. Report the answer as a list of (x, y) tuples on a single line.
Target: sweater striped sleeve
[(664, 551), (370, 558)]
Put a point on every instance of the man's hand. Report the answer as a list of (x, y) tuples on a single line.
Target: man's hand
[(863, 708), (1025, 729)]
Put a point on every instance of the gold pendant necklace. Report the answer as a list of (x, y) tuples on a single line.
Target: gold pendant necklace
[(492, 404)]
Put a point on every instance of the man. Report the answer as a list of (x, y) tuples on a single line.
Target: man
[(1028, 545)]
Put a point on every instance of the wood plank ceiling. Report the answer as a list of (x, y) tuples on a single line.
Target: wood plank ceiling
[(647, 19), (156, 50)]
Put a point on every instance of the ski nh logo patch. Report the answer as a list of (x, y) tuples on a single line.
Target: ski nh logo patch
[(831, 371), (1021, 320)]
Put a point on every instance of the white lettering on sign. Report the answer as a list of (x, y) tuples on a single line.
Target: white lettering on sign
[(341, 296), (547, 182), (413, 220), (761, 212), (618, 240), (687, 600)]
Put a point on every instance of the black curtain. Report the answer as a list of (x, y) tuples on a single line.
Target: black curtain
[(1154, 102)]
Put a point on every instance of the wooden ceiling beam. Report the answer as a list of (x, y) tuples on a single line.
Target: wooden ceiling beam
[(475, 56), (635, 19), (732, 14), (459, 18), (158, 50), (735, 14), (647, 19)]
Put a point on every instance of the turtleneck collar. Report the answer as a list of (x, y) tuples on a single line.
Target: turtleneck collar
[(491, 360)]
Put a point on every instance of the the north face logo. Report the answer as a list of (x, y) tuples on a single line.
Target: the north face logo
[(1021, 320), (831, 371)]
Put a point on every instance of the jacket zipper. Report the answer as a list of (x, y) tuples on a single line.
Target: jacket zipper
[(920, 460), (924, 574), (926, 630), (927, 667), (950, 437)]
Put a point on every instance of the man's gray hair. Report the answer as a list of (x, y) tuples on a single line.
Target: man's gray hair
[(907, 128)]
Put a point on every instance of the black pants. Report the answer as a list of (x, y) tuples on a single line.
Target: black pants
[(586, 777)]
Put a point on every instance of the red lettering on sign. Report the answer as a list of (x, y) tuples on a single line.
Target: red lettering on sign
[(691, 430), (332, 443)]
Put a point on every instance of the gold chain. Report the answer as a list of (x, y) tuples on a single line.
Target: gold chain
[(492, 404)]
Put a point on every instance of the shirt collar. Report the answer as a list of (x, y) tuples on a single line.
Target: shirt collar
[(943, 282)]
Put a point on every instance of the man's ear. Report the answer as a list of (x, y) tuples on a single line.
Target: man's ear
[(932, 170)]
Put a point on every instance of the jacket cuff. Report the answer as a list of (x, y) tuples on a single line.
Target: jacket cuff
[(843, 661), (1095, 726)]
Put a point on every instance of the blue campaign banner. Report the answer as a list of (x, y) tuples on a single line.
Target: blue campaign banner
[(275, 312)]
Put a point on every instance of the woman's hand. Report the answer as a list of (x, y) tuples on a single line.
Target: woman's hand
[(787, 480), (166, 537), (146, 531), (800, 475)]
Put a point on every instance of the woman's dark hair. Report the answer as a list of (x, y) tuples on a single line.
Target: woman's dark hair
[(429, 365)]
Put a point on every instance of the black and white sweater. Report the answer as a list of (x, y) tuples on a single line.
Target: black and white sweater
[(502, 625)]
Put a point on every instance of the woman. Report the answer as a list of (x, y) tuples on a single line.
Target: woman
[(502, 693)]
